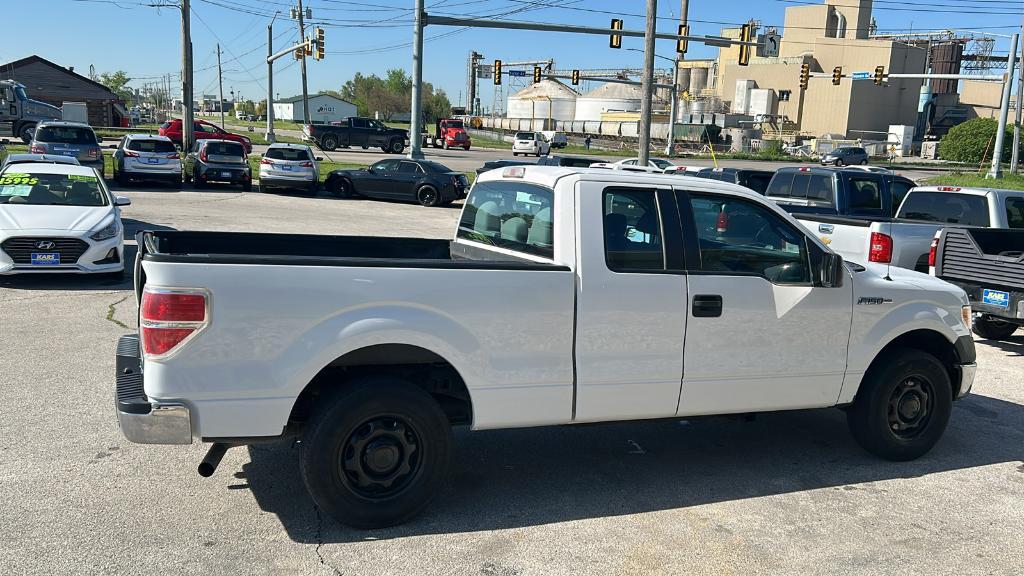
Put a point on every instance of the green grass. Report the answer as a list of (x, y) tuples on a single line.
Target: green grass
[(326, 167), (975, 180)]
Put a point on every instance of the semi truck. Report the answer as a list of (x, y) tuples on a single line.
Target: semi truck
[(19, 114), (448, 133)]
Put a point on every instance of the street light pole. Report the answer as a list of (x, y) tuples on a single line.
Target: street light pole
[(302, 65), (647, 86), (670, 144), (1014, 155), (416, 109), (270, 79), (186, 76), (1004, 111)]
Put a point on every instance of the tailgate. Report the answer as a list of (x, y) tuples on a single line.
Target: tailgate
[(851, 239)]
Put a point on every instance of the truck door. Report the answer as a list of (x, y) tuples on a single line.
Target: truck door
[(761, 335), (359, 130), (631, 295), (8, 105)]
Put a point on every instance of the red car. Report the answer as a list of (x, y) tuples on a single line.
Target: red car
[(203, 129)]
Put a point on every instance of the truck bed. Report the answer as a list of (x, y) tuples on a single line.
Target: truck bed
[(994, 258)]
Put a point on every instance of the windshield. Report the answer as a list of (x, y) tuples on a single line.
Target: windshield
[(20, 93), (453, 124), (66, 135), (51, 189), (663, 164)]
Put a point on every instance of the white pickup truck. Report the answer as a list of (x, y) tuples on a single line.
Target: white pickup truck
[(904, 241), (566, 296)]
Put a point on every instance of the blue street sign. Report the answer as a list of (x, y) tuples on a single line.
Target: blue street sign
[(517, 72), (861, 76)]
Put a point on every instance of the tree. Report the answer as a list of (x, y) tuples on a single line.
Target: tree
[(261, 107), (392, 94), (117, 82), (974, 141)]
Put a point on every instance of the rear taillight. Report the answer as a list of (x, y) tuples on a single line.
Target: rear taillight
[(37, 149), (202, 155), (168, 317), (932, 250), (131, 154), (307, 164), (173, 156), (880, 248), (309, 129), (723, 222), (94, 153), (267, 161)]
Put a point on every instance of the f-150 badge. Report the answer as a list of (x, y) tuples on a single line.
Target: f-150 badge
[(873, 300)]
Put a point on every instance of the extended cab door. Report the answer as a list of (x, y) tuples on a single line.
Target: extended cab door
[(359, 132), (631, 302), (762, 333)]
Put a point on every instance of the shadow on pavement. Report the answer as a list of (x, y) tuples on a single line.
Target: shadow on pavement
[(518, 478), (1014, 344)]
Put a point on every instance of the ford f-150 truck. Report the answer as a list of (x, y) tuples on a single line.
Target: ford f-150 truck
[(904, 241), (567, 296), (356, 131)]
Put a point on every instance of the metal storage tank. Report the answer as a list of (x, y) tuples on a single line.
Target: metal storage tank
[(698, 107), (684, 79), (608, 96), (698, 80), (547, 99)]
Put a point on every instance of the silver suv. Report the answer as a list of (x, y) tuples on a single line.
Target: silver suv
[(147, 157), (289, 166), (72, 139)]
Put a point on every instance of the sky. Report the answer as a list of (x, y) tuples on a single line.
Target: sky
[(372, 36)]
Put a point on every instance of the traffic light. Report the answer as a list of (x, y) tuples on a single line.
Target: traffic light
[(307, 47), (682, 43), (805, 75), (536, 74), (575, 77), (745, 34), (879, 75), (319, 52), (837, 75), (497, 72), (615, 41)]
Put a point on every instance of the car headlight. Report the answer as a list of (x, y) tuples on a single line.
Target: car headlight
[(107, 232)]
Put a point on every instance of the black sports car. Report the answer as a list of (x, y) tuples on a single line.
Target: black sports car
[(423, 181)]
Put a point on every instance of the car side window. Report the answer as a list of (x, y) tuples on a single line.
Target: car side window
[(632, 231), (1015, 212), (799, 188), (409, 168), (386, 166), (820, 188), (359, 122), (864, 195), (739, 237)]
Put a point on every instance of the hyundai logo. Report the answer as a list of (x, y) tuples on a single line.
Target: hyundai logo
[(45, 245)]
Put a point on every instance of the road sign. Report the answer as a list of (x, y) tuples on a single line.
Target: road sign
[(861, 76), (768, 45), (517, 72)]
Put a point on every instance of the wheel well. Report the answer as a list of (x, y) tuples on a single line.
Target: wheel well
[(417, 365), (932, 343)]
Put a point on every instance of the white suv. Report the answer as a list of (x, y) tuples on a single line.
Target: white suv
[(527, 143), (289, 166)]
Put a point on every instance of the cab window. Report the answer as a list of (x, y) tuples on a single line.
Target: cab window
[(632, 231), (1015, 212), (739, 237), (864, 195), (514, 215)]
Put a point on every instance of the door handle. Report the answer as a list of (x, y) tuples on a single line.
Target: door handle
[(707, 306)]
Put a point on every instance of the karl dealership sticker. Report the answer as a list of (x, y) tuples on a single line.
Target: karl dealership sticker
[(996, 298)]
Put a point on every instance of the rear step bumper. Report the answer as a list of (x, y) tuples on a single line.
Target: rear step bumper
[(142, 420)]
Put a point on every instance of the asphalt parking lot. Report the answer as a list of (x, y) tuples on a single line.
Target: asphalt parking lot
[(787, 493)]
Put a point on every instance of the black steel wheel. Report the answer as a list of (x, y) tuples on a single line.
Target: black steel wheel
[(27, 133), (902, 406), (329, 142), (427, 196), (376, 452), (341, 188)]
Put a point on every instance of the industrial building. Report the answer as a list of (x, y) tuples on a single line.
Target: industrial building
[(548, 99), (54, 84), (323, 109)]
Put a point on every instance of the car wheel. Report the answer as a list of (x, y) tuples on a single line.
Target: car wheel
[(28, 131), (376, 453), (515, 154), (444, 145), (329, 142), (466, 148), (365, 147), (120, 178), (341, 188), (991, 328), (397, 146), (863, 162), (839, 162), (903, 405), (247, 186), (427, 196)]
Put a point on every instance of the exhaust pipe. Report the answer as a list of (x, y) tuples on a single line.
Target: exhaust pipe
[(212, 459)]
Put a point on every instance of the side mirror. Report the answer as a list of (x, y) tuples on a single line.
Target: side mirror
[(830, 273), (319, 158), (122, 201), (370, 169)]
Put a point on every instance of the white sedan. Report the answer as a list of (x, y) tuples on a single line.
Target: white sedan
[(59, 218)]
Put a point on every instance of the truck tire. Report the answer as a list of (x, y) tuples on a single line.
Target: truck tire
[(376, 453), (992, 329), (903, 405), (329, 142), (27, 132), (396, 146), (427, 196)]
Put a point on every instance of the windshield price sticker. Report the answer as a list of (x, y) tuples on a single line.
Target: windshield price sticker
[(18, 179), (80, 178)]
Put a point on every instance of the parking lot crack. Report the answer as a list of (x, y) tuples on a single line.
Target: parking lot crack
[(320, 541), (111, 309)]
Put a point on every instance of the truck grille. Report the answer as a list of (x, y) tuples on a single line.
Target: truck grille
[(963, 260), (20, 249)]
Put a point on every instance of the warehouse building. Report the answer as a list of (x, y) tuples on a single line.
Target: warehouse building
[(54, 84)]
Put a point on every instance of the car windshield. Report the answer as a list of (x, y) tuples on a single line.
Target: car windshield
[(66, 135), (20, 92), (290, 154), (524, 136), (663, 164), (51, 189), (158, 146)]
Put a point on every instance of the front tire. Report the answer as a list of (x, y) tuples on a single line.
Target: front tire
[(376, 453), (839, 163), (992, 329), (396, 146), (427, 196), (329, 142), (27, 133), (903, 405), (341, 188)]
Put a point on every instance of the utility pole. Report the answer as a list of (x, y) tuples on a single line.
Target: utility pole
[(474, 58), (302, 65), (1014, 155), (647, 87), (220, 88), (186, 76), (416, 113), (1004, 111), (683, 18), (270, 80)]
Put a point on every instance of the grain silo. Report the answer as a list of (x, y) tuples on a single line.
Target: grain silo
[(698, 81), (546, 100), (606, 98)]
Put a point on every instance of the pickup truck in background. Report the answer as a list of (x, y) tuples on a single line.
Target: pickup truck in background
[(357, 131), (905, 240), (989, 266), (20, 114), (701, 297), (838, 191)]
